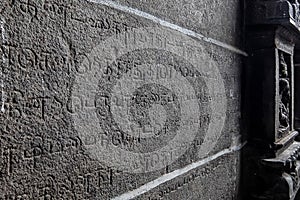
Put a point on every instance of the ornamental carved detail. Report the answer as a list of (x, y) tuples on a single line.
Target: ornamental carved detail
[(284, 96), (281, 12)]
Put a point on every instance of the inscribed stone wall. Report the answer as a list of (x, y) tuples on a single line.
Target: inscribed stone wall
[(98, 101)]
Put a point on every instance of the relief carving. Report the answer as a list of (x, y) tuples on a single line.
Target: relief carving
[(284, 97)]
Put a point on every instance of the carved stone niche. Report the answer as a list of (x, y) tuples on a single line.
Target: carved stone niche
[(271, 159)]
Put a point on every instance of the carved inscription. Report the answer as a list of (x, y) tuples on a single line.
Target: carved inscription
[(182, 182), (140, 102), (95, 106), (25, 8), (27, 58)]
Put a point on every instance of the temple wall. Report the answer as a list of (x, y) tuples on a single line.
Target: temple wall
[(120, 99)]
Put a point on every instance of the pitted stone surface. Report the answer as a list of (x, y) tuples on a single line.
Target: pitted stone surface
[(79, 77), (218, 19)]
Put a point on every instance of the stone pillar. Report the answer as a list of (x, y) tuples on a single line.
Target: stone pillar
[(271, 160)]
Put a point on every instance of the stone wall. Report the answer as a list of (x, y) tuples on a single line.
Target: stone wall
[(120, 99)]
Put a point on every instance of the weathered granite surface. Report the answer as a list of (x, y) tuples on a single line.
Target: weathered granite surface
[(97, 102), (215, 181), (219, 19)]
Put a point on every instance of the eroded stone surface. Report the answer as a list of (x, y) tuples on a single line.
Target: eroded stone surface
[(218, 19), (217, 180), (79, 94)]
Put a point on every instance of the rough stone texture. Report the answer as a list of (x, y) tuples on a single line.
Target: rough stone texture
[(53, 51), (215, 181), (218, 19)]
